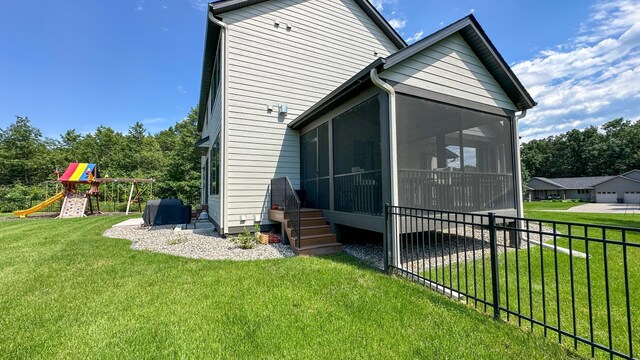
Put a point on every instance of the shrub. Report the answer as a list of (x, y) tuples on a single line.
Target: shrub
[(15, 197), (245, 240)]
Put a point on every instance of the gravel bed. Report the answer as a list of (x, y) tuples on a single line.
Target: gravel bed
[(210, 246), (447, 246), (370, 254)]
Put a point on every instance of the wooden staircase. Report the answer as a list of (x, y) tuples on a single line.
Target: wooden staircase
[(315, 233)]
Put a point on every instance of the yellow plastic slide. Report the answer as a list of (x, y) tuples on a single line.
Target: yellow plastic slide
[(42, 205)]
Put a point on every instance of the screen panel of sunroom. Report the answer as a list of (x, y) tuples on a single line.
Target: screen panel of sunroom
[(357, 159), (315, 167), (453, 158)]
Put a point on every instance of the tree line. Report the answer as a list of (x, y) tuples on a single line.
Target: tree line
[(610, 149), (27, 159)]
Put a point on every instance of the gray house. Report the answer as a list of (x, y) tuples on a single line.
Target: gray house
[(315, 113), (576, 188), (623, 188)]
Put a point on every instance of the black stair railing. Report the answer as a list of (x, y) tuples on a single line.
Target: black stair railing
[(284, 197)]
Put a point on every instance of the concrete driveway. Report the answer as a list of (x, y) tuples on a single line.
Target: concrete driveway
[(603, 208)]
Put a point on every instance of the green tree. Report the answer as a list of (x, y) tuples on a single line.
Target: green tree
[(612, 149), (24, 155), (180, 176)]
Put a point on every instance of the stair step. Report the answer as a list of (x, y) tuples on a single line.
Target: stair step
[(312, 230), (314, 240), (324, 249), (315, 221), (307, 213), (316, 237)]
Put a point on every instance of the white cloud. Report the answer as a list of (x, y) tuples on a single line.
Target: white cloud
[(380, 4), (608, 19), (140, 6), (181, 89), (199, 4), (155, 120), (397, 23), (415, 37), (593, 79)]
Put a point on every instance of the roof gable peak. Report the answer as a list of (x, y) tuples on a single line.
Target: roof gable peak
[(475, 37)]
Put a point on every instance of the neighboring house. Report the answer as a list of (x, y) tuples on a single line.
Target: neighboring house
[(326, 93), (576, 188), (623, 188), (603, 189)]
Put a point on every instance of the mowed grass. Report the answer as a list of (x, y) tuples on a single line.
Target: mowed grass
[(550, 205), (528, 282), (68, 292)]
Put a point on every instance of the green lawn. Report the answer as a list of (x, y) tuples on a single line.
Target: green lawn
[(550, 205), (531, 269), (68, 292)]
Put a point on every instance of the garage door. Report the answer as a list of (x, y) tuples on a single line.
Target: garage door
[(606, 197), (632, 197)]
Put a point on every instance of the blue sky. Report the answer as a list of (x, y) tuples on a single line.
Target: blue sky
[(79, 64)]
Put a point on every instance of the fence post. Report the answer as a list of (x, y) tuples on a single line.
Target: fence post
[(495, 279), (385, 240)]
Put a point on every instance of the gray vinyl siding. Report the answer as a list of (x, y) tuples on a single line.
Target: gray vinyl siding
[(212, 129), (329, 41), (618, 185), (450, 67)]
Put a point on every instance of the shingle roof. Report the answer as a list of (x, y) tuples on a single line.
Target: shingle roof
[(576, 182), (620, 177)]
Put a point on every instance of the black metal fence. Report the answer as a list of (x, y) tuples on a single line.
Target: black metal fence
[(577, 282)]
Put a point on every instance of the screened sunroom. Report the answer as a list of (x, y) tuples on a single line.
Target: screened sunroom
[(453, 158), (341, 161), (430, 127)]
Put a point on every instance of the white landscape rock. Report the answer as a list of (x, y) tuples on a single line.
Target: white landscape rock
[(210, 245), (462, 244)]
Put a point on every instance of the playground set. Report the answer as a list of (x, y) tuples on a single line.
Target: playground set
[(75, 200)]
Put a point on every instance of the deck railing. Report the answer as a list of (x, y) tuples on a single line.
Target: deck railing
[(577, 282), (359, 193), (455, 191), (316, 192), (284, 196)]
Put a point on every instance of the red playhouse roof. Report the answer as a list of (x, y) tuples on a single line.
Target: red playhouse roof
[(80, 172)]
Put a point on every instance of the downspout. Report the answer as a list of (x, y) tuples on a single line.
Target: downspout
[(225, 118), (517, 170), (393, 160)]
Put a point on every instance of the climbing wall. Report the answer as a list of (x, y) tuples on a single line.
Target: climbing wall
[(74, 204)]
